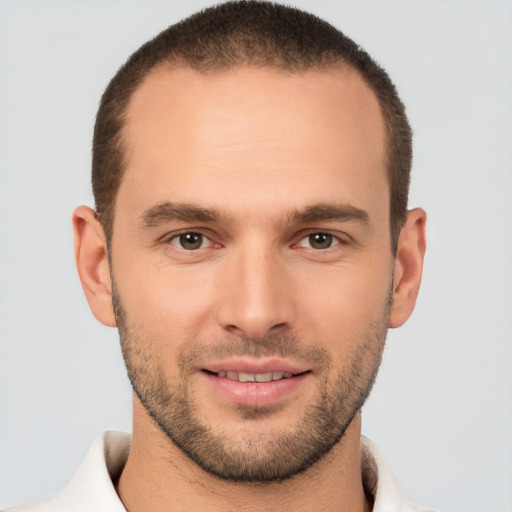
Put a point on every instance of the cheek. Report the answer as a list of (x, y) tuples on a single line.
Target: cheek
[(172, 305), (330, 305), (344, 305)]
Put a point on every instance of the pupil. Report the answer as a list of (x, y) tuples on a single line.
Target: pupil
[(191, 241), (320, 240)]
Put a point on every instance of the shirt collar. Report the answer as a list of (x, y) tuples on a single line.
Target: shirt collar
[(108, 454)]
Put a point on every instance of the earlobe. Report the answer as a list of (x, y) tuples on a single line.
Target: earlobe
[(91, 257), (408, 267)]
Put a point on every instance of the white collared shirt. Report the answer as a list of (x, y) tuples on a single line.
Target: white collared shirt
[(92, 490)]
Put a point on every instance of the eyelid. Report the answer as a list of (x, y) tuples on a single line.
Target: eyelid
[(341, 238), (170, 237)]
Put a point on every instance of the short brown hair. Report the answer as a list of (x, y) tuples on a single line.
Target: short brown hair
[(254, 33)]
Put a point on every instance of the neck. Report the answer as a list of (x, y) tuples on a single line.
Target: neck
[(158, 477)]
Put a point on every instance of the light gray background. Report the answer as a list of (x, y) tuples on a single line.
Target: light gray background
[(441, 411)]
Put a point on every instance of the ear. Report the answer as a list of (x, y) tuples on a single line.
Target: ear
[(91, 257), (408, 267)]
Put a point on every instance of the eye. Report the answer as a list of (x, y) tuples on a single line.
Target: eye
[(190, 241), (319, 241)]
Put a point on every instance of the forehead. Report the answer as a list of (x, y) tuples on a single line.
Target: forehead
[(254, 130)]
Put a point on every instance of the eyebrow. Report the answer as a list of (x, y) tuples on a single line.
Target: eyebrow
[(186, 212), (329, 212), (167, 212)]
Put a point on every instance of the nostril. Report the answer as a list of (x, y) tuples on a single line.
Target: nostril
[(280, 326), (233, 329)]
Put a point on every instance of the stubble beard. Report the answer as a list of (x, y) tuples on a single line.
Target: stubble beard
[(269, 456)]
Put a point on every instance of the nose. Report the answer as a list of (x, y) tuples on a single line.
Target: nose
[(257, 297)]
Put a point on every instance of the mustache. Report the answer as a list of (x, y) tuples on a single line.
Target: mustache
[(284, 346)]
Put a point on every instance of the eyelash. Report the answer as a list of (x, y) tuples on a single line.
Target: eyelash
[(176, 237), (333, 238)]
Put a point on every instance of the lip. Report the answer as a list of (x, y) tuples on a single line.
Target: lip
[(255, 394), (264, 365)]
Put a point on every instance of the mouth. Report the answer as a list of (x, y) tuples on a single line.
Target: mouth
[(253, 377), (256, 383)]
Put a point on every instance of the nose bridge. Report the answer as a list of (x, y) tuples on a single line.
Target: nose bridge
[(258, 299)]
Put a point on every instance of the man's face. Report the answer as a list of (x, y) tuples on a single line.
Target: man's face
[(252, 263)]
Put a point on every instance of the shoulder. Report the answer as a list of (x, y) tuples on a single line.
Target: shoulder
[(92, 488), (381, 483)]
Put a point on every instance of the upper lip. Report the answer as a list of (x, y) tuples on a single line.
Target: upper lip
[(264, 365)]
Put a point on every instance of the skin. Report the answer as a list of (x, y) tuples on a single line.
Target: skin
[(294, 141)]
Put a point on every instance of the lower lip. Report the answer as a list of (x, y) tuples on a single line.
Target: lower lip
[(256, 394)]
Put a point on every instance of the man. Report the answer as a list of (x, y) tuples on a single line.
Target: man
[(251, 243)]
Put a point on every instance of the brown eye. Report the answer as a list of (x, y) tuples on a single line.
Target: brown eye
[(189, 241), (320, 240)]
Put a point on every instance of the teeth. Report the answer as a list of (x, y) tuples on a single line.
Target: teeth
[(254, 377), (263, 377)]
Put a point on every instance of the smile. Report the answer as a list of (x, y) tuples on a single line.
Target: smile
[(254, 377), (255, 388)]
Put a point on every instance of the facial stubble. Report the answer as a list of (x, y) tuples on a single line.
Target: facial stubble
[(267, 456)]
